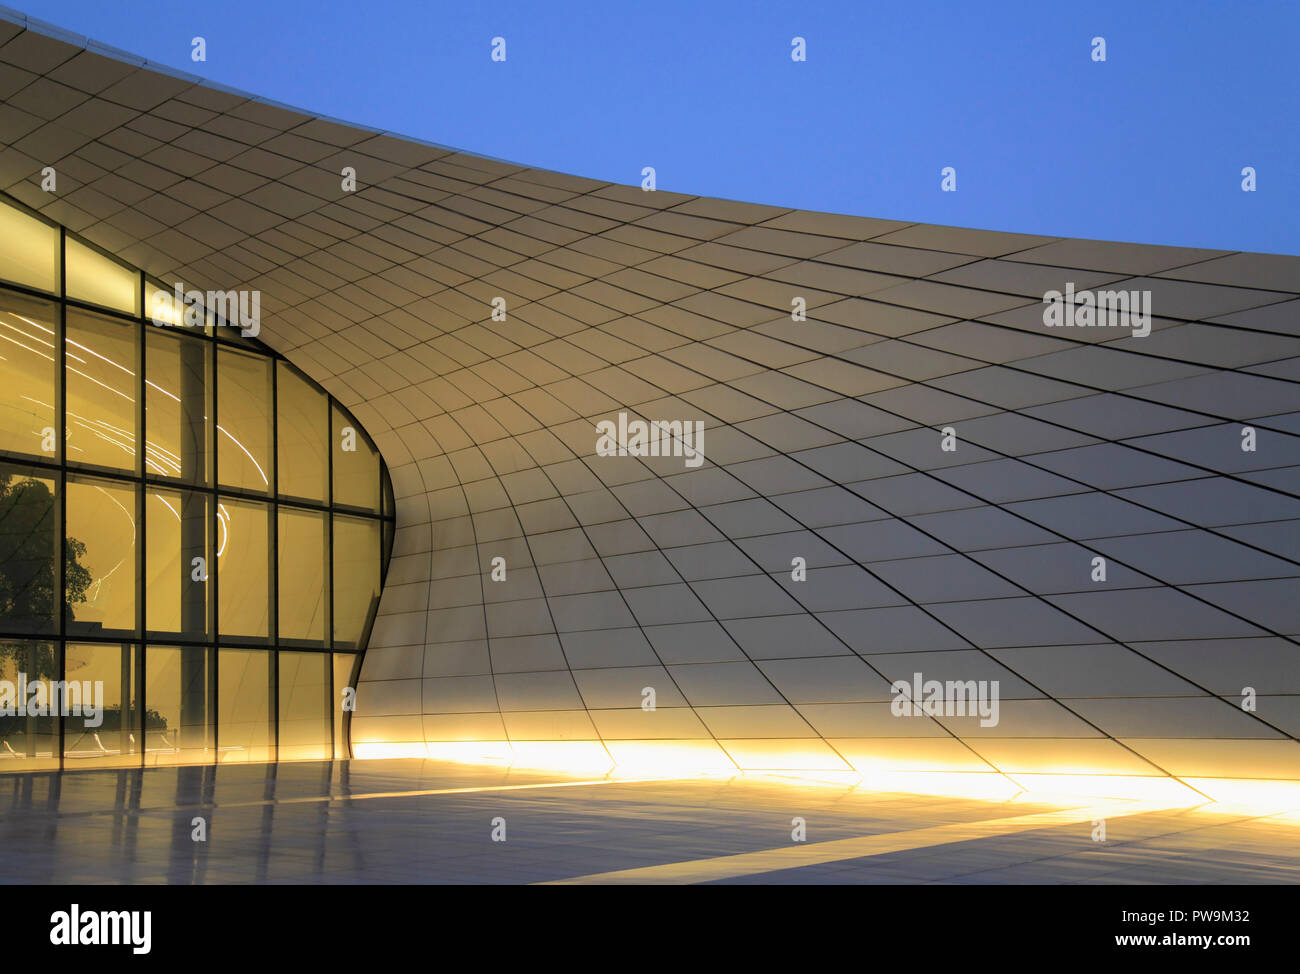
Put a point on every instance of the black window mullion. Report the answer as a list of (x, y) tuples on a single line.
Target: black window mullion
[(61, 485), (214, 573), (273, 556), (141, 508)]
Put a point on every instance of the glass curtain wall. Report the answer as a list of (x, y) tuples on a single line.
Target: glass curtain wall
[(193, 534)]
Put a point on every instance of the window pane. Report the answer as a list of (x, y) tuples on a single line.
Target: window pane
[(356, 578), (302, 436), (27, 366), (303, 578), (177, 528), (244, 420), (243, 568), (162, 309), (356, 470), (178, 725), (29, 580), (29, 250), (343, 663), (101, 364), (244, 707), (96, 279), (177, 401), (101, 720), (304, 706), (160, 306), (100, 582), (28, 742)]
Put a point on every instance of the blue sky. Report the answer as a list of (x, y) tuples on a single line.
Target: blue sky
[(1146, 147)]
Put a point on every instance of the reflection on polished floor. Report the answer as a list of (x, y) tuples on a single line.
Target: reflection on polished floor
[(412, 821)]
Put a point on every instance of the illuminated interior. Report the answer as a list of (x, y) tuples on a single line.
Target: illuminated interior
[(156, 450)]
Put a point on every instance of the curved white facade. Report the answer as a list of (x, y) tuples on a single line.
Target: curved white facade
[(947, 466)]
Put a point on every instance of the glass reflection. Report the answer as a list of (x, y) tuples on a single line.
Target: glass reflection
[(100, 376), (177, 556), (304, 575), (96, 279), (100, 590), (177, 402), (244, 420), (29, 581), (302, 433), (304, 706), (27, 367), (244, 706), (343, 666), (356, 464), (356, 578), (29, 250), (178, 724), (29, 736), (243, 568), (101, 682)]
